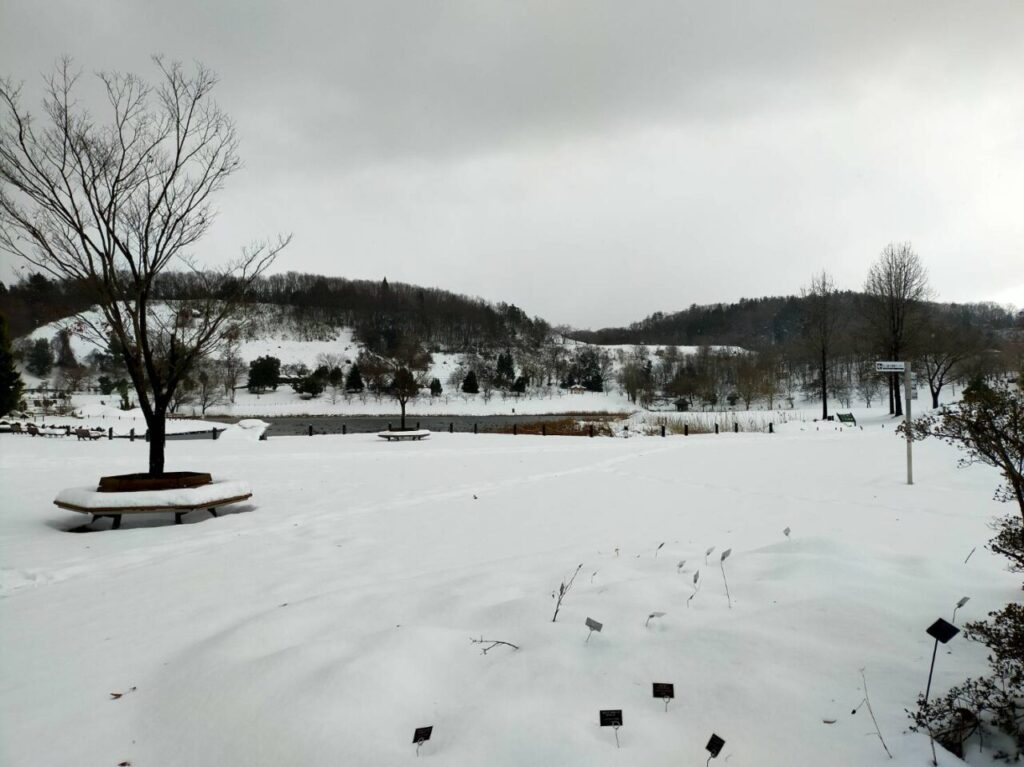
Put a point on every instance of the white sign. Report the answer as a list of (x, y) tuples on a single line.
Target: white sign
[(890, 367)]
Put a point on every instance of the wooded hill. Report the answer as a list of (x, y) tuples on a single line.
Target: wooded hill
[(756, 323), (381, 313)]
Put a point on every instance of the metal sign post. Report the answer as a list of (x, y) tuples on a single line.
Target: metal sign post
[(907, 422), (894, 366)]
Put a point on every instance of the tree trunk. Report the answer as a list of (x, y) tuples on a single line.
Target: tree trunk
[(935, 397), (157, 434), (402, 403), (896, 391), (892, 407), (824, 386)]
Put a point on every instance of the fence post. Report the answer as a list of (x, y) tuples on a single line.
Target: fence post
[(686, 430), (344, 428), (474, 427), (389, 427), (213, 433), (451, 427), (716, 428), (663, 430), (735, 428), (110, 432), (131, 435), (591, 430), (417, 426), (771, 428), (543, 430), (311, 430), (515, 429)]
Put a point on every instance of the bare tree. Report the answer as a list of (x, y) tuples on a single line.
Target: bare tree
[(822, 324), (945, 348), (410, 364), (114, 205), (232, 368), (209, 386), (896, 288)]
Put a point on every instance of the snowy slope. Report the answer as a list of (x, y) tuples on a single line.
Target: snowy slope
[(333, 616)]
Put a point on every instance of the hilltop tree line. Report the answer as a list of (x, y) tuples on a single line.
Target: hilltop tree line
[(826, 354), (384, 315)]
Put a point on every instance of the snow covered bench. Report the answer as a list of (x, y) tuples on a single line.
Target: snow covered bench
[(400, 435), (180, 501)]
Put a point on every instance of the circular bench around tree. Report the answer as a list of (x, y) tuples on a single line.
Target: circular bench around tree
[(178, 501)]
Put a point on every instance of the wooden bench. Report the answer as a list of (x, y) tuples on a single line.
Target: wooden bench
[(88, 433), (401, 435), (846, 418), (209, 497)]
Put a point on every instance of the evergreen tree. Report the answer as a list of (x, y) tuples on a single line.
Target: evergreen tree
[(64, 353), (11, 384), (435, 388), (505, 371), (470, 385), (335, 378), (264, 373), (354, 381), (39, 360), (519, 387)]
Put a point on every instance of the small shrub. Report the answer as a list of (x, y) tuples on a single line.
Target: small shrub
[(993, 701)]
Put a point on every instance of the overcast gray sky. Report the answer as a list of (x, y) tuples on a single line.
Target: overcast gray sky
[(593, 162)]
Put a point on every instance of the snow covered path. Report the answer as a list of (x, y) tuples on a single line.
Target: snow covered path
[(325, 621)]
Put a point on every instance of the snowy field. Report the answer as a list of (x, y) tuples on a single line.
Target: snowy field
[(323, 622)]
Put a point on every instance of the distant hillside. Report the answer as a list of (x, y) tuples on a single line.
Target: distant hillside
[(380, 313), (763, 322)]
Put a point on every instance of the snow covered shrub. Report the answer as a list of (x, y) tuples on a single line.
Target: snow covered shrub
[(993, 701)]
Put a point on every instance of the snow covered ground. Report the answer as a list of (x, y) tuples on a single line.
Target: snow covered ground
[(323, 622)]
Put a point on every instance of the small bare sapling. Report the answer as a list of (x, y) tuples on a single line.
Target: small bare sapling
[(721, 563), (708, 554), (867, 702), (658, 549), (680, 566), (491, 644), (786, 532), (696, 587), (593, 574), (652, 616), (563, 589)]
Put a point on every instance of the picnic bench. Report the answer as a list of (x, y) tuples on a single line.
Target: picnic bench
[(179, 501), (846, 418), (413, 434)]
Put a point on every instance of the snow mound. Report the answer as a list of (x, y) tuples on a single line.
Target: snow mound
[(247, 430)]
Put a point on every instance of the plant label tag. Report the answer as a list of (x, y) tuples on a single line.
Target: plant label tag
[(715, 745), (594, 625), (664, 690), (422, 734), (611, 718)]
